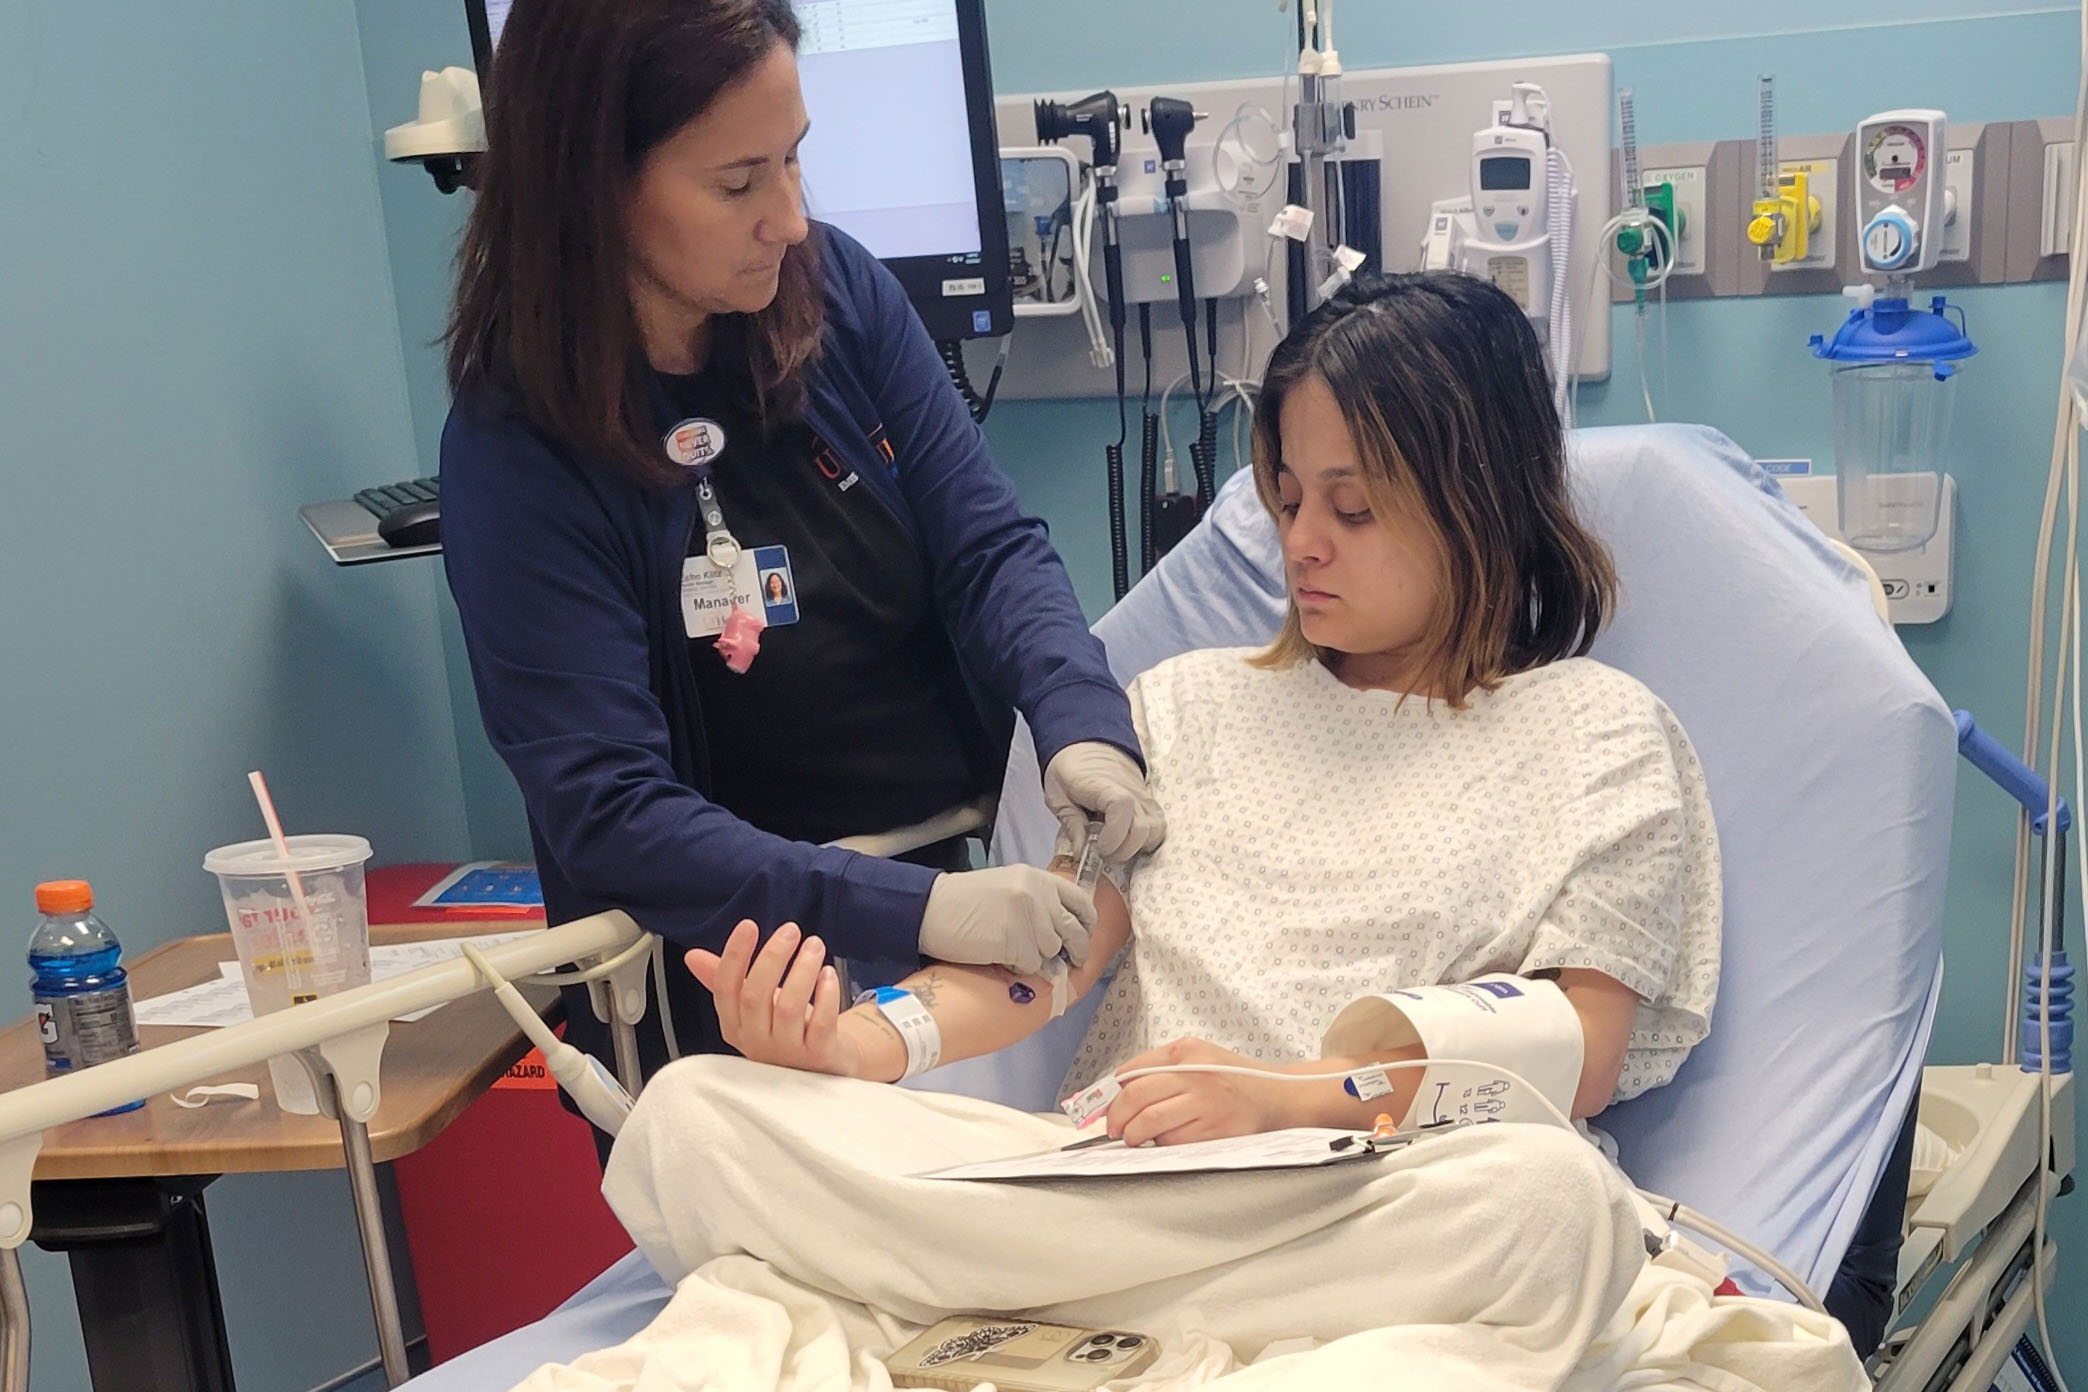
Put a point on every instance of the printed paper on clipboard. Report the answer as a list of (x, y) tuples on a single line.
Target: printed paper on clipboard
[(486, 884), (1300, 1148)]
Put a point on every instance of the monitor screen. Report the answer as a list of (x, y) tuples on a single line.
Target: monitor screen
[(1504, 172), (918, 181)]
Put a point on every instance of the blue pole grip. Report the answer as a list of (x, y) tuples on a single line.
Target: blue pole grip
[(2014, 777)]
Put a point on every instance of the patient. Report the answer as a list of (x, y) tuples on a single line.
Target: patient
[(1421, 782)]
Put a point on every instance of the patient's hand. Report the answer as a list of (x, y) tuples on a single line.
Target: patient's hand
[(780, 1005), (1171, 1108)]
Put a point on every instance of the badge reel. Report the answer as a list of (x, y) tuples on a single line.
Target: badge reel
[(695, 443)]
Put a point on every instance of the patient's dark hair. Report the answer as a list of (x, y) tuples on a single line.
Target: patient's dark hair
[(1443, 386)]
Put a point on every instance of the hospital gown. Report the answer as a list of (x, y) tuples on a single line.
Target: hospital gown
[(1326, 843)]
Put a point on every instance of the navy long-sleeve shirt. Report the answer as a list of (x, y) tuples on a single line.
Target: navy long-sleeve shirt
[(567, 577)]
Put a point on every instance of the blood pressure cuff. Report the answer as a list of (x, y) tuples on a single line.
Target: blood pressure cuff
[(1508, 1024)]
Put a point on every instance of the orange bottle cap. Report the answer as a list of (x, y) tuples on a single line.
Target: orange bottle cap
[(64, 897)]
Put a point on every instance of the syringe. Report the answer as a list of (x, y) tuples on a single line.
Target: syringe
[(1088, 869), (1087, 872)]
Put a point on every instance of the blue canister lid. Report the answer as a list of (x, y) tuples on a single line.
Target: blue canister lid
[(1889, 330)]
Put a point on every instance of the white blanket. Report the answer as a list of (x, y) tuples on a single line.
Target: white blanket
[(1502, 1257)]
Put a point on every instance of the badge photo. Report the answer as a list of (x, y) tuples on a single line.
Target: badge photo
[(776, 585)]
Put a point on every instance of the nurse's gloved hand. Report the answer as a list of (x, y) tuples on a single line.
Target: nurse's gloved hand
[(1093, 779), (1014, 915)]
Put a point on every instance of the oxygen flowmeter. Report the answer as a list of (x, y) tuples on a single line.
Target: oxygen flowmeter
[(1786, 212)]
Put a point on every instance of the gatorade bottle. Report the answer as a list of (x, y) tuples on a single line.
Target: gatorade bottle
[(83, 1003)]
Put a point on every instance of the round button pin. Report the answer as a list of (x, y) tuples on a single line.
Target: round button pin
[(695, 442)]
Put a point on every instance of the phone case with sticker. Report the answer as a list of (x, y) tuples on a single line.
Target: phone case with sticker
[(1018, 1355)]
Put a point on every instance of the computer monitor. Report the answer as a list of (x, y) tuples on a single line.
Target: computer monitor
[(903, 155)]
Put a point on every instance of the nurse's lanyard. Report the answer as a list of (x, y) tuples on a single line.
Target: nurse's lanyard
[(695, 444), (719, 545)]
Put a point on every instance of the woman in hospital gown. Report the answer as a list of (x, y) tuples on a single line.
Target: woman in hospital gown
[(1423, 781)]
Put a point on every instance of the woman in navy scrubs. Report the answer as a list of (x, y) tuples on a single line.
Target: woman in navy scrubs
[(668, 383)]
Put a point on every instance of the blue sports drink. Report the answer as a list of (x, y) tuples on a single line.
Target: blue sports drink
[(83, 1002)]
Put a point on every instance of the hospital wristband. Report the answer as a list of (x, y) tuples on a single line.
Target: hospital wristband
[(917, 1029)]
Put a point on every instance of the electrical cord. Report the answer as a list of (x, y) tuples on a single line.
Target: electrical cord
[(2065, 427), (1239, 387), (1676, 1213), (1100, 351), (2048, 934), (659, 974), (1203, 452), (1236, 392), (593, 1088), (1113, 455), (2064, 471), (952, 353), (1203, 455), (1119, 551), (1243, 159), (1061, 220), (1560, 195), (1148, 460), (596, 972)]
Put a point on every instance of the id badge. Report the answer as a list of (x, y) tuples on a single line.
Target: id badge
[(777, 585), (708, 592)]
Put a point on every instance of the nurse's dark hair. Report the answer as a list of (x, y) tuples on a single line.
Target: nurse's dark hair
[(580, 93), (1444, 389)]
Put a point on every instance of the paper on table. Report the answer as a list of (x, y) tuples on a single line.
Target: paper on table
[(213, 1003), (216, 1004), (1297, 1149)]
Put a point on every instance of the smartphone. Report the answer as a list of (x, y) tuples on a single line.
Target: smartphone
[(1018, 1355)]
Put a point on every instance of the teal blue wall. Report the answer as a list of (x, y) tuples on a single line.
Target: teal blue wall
[(400, 39), (197, 334), (218, 304)]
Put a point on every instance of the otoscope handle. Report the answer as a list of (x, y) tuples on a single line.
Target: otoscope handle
[(1113, 265), (1113, 268), (1185, 271)]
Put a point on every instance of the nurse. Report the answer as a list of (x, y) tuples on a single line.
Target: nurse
[(669, 385)]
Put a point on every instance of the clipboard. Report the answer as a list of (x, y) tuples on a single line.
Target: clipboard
[(1298, 1148)]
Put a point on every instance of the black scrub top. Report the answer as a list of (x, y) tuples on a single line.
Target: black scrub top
[(854, 717)]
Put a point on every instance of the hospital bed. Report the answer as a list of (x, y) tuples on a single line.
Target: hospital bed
[(1831, 764)]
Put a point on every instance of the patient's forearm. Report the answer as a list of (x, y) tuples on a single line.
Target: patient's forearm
[(974, 1010), (1327, 1102)]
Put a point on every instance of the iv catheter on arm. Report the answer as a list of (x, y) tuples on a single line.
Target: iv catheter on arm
[(779, 1003)]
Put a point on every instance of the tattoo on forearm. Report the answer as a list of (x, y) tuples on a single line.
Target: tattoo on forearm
[(926, 987), (878, 1015)]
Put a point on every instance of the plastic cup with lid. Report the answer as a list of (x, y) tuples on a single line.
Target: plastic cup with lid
[(296, 943)]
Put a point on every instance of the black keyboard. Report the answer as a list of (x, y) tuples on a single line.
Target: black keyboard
[(408, 513)]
